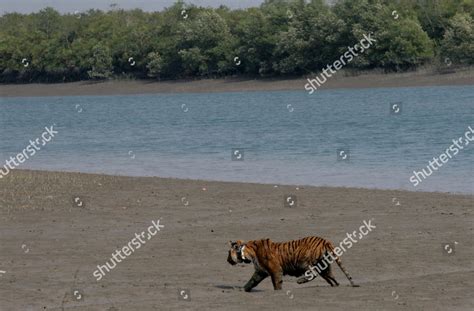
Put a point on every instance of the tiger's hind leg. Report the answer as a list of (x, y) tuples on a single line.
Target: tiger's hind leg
[(303, 280), (325, 274), (329, 276), (323, 267)]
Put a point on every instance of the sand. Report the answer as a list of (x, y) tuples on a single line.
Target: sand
[(50, 246), (339, 81)]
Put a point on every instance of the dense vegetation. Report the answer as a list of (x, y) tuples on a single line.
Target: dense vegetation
[(281, 37)]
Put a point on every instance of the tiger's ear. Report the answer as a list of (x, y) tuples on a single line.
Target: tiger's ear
[(230, 243)]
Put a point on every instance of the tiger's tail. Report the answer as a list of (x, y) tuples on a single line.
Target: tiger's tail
[(330, 247)]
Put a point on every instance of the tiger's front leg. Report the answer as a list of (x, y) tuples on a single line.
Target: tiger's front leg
[(257, 277), (277, 280)]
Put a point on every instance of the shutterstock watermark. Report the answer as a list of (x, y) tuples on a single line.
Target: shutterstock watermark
[(345, 58), (349, 241), (29, 151), (455, 147), (127, 250)]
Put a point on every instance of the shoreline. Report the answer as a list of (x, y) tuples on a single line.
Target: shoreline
[(243, 183), (136, 87)]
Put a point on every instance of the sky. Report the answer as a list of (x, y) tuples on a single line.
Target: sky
[(63, 6)]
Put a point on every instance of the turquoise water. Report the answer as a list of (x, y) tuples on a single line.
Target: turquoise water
[(287, 137)]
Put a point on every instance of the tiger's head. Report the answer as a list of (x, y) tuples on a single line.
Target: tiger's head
[(237, 253)]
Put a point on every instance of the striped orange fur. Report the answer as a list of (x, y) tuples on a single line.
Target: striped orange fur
[(292, 258)]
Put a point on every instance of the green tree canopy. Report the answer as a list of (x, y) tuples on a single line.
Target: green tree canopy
[(281, 37)]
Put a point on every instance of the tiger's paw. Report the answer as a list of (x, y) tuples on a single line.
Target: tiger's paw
[(247, 289)]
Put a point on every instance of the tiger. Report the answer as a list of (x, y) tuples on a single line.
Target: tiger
[(293, 258)]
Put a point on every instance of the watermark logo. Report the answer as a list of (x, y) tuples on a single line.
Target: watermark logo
[(344, 59), (237, 154), (31, 149), (185, 201), (25, 62), (449, 248), (343, 155), (77, 201), (448, 61), (131, 154), (131, 61), (290, 200), (25, 248), (184, 294), (78, 295), (437, 162), (395, 201), (395, 295), (348, 242), (132, 246), (395, 14), (184, 14), (290, 108), (290, 294), (237, 61), (184, 108), (395, 108)]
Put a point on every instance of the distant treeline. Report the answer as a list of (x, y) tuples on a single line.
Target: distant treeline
[(280, 38)]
